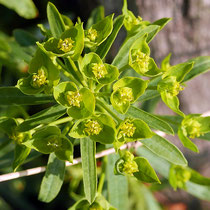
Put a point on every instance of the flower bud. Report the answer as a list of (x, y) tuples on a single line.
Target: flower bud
[(92, 34), (92, 127)]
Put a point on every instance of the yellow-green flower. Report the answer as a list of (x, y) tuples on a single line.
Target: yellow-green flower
[(39, 79), (73, 98), (92, 34), (92, 127), (140, 60), (192, 128), (65, 45), (54, 142), (129, 166), (127, 129), (99, 70), (126, 94)]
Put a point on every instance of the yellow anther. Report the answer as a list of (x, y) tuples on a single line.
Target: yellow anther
[(39, 79), (127, 129), (140, 60), (126, 94), (92, 127), (65, 45), (99, 70), (73, 98), (92, 34)]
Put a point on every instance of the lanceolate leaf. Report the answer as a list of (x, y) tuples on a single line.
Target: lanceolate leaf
[(150, 119), (57, 25), (53, 179), (103, 49), (117, 185), (163, 166), (88, 150), (163, 148), (13, 96), (201, 65), (44, 117)]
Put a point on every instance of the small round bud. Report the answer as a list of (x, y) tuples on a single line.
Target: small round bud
[(65, 45), (92, 127), (73, 98)]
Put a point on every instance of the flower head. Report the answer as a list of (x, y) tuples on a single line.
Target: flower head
[(140, 60), (192, 128), (126, 94), (127, 129), (39, 79), (54, 142), (65, 45), (99, 70), (92, 34), (73, 98), (92, 127)]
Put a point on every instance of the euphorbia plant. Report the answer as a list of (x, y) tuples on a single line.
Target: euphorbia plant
[(97, 102)]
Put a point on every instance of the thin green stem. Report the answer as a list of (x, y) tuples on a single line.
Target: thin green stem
[(103, 94), (98, 87), (104, 106), (77, 72), (67, 128), (62, 120)]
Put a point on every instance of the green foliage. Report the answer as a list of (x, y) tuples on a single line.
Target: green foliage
[(85, 97)]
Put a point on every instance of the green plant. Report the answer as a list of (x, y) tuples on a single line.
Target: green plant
[(92, 102)]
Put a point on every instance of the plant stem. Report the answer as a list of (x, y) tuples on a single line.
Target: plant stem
[(98, 87), (103, 94), (67, 128), (72, 65), (102, 104), (61, 121)]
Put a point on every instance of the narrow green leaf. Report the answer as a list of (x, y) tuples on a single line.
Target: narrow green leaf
[(24, 8), (13, 96), (52, 180), (198, 178), (88, 150), (44, 117), (103, 49), (117, 185), (163, 148), (201, 65), (162, 22), (163, 166), (150, 119), (148, 94), (55, 19), (21, 153), (24, 38), (121, 58)]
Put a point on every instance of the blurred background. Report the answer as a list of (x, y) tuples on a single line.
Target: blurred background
[(186, 36)]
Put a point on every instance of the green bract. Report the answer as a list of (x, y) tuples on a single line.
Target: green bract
[(94, 68), (193, 125), (43, 75), (99, 128), (98, 32), (49, 139), (80, 103), (139, 58), (126, 91), (70, 43)]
